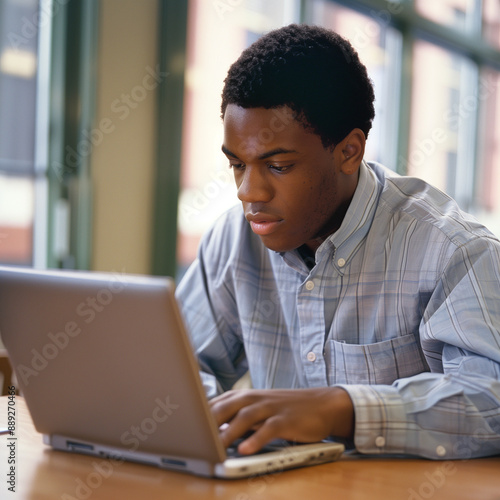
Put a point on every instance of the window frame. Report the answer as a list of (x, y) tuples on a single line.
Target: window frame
[(403, 16), (72, 94), (173, 21)]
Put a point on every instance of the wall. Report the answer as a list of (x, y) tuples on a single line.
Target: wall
[(124, 154)]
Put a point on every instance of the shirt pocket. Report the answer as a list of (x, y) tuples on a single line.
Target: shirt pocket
[(380, 363)]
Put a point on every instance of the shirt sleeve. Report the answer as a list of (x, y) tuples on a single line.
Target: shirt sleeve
[(209, 310), (453, 412)]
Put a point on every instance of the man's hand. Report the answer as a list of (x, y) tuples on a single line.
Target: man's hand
[(299, 415)]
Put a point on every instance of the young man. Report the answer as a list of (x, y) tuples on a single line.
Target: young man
[(365, 305)]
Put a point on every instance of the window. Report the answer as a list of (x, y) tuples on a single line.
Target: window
[(18, 90), (486, 202), (454, 13), (448, 103), (441, 135), (41, 82), (491, 22), (379, 47)]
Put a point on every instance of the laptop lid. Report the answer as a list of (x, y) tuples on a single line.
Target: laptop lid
[(104, 358)]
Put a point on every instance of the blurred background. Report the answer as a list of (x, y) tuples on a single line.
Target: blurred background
[(110, 128)]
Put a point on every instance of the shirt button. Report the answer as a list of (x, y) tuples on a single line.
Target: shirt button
[(380, 442), (441, 451), (341, 262), (311, 356), (310, 285)]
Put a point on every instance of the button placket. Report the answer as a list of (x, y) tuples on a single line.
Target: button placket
[(310, 356), (311, 320)]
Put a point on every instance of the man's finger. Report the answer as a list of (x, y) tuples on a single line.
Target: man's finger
[(247, 418), (227, 405), (267, 432)]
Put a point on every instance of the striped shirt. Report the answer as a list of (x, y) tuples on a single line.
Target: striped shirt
[(401, 309)]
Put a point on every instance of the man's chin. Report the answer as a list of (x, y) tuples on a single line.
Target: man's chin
[(277, 246)]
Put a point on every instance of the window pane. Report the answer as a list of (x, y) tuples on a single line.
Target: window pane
[(491, 22), (378, 47), (217, 33), (442, 129), (16, 219), (487, 195), (18, 62), (455, 13), (18, 43)]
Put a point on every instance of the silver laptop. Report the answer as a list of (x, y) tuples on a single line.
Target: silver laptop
[(107, 369)]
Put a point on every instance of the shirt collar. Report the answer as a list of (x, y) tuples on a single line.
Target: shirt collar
[(355, 226), (358, 218)]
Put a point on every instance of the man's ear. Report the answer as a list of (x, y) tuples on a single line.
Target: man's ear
[(352, 150)]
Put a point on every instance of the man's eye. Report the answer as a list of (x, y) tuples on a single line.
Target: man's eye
[(280, 168), (237, 166)]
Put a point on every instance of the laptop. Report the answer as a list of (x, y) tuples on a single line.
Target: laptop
[(106, 367)]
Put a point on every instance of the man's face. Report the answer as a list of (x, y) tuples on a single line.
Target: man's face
[(293, 190)]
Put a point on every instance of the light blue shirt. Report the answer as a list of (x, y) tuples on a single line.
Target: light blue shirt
[(402, 310)]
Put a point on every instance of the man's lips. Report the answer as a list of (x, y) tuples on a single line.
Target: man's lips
[(263, 224)]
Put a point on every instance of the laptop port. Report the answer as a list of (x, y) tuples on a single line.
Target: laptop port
[(173, 462), (75, 446)]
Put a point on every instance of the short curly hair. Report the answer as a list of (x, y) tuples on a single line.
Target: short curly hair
[(313, 71)]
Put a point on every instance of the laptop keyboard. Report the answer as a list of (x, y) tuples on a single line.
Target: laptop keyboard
[(276, 445)]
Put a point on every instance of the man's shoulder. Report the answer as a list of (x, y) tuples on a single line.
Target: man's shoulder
[(411, 198)]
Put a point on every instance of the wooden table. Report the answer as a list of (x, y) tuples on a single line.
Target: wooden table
[(45, 474)]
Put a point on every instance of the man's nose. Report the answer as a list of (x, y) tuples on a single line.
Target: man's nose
[(254, 186)]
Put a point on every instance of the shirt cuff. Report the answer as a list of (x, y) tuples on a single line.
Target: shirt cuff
[(381, 425)]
